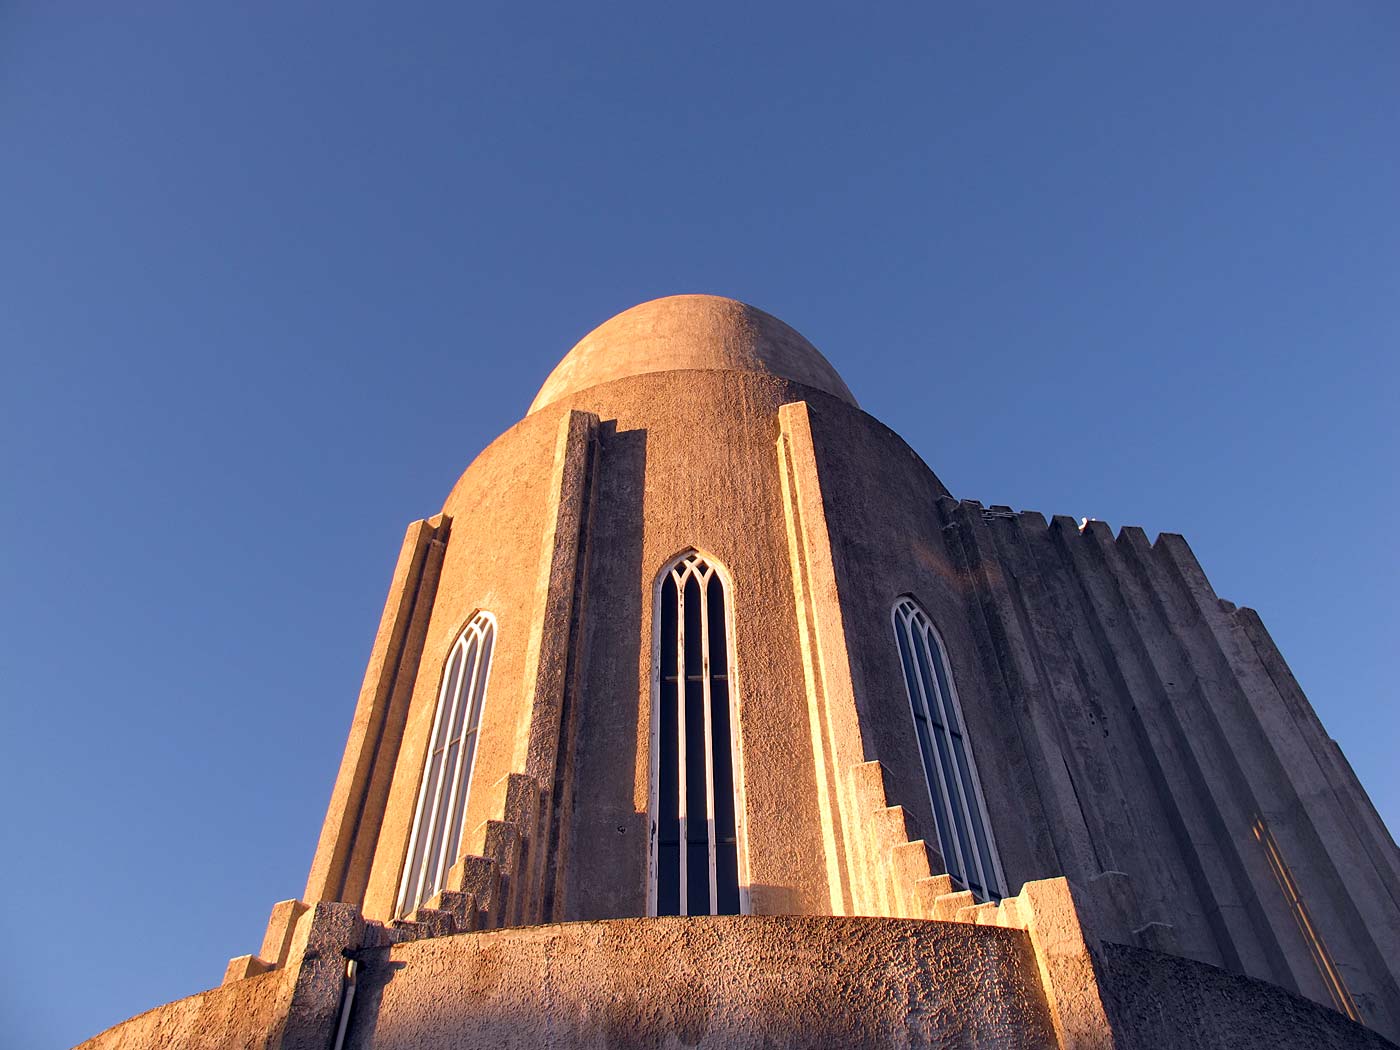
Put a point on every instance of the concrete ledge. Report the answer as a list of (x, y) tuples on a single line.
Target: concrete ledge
[(726, 981), (732, 981)]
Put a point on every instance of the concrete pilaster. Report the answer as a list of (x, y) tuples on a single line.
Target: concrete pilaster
[(837, 744), (345, 852), (1070, 847), (545, 750), (1310, 846)]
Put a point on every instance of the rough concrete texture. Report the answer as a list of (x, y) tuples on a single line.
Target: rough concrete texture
[(688, 333), (1123, 719), (709, 982), (740, 981), (247, 1013), (1159, 1001)]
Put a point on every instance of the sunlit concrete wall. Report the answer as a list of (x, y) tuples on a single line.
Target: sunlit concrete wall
[(737, 982), (1123, 718)]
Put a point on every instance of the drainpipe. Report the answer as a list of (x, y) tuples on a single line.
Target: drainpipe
[(347, 998)]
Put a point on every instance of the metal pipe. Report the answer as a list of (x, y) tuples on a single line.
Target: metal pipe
[(346, 999)]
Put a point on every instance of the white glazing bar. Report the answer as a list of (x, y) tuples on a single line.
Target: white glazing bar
[(908, 665), (992, 864), (435, 812), (941, 787), (958, 755), (711, 828), (413, 841), (678, 576), (467, 697), (467, 753), (938, 782)]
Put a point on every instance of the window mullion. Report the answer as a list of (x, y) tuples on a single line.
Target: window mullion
[(914, 637), (466, 694), (991, 874), (959, 757), (683, 824), (413, 840), (436, 796), (711, 830)]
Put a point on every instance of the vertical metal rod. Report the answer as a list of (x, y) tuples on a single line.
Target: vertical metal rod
[(678, 578), (408, 868), (938, 782), (711, 824)]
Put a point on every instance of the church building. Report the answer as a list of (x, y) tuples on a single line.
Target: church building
[(703, 715)]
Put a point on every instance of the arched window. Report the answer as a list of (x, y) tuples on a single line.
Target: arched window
[(694, 839), (964, 833), (447, 771)]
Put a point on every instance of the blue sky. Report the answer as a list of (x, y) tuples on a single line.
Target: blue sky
[(272, 274)]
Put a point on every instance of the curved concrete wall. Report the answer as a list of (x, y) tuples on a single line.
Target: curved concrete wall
[(686, 459), (1159, 1000), (1123, 719), (731, 982), (713, 982), (248, 1013)]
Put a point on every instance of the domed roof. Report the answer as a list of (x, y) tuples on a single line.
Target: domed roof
[(687, 332)]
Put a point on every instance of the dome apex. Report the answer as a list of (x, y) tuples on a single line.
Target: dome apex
[(690, 332)]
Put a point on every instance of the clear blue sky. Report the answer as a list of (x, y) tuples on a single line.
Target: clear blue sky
[(272, 274)]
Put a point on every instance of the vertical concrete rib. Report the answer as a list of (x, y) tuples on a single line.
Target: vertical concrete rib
[(1113, 774), (1342, 935), (545, 748), (1266, 941), (1154, 747), (1359, 811), (836, 737), (1070, 846), (1048, 613), (1188, 747), (340, 868)]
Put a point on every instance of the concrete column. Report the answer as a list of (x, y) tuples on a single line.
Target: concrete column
[(545, 749), (345, 852), (1152, 745), (1070, 846), (316, 975), (1034, 575), (837, 744), (1356, 805), (1230, 803), (1344, 920)]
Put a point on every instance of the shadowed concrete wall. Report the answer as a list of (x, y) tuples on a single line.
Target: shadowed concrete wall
[(1159, 1001)]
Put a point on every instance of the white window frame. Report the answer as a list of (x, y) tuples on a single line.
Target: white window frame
[(463, 692), (675, 573), (914, 626)]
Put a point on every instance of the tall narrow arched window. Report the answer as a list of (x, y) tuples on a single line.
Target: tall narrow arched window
[(694, 836), (964, 833), (447, 770)]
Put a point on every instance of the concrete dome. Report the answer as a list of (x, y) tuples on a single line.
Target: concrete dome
[(690, 332)]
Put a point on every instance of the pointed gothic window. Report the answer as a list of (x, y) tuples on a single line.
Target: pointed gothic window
[(964, 833), (447, 771), (694, 839)]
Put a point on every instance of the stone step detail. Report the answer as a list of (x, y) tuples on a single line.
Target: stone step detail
[(946, 907), (503, 887), (466, 918), (928, 890), (908, 879), (978, 914), (908, 871)]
